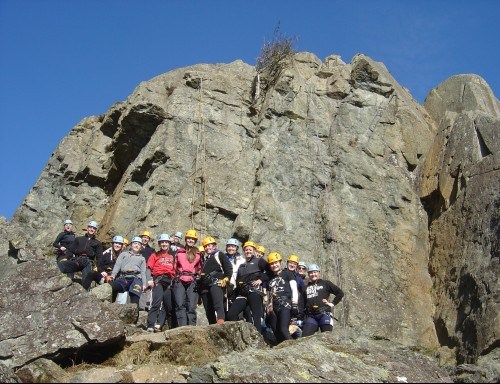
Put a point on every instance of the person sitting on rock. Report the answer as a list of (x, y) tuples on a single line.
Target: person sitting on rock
[(188, 267), (317, 308), (249, 291), (162, 267), (83, 252), (215, 275), (129, 273), (63, 241), (105, 263)]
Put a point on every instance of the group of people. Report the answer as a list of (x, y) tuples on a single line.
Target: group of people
[(265, 292)]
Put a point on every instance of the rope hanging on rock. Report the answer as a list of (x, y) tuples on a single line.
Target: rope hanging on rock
[(200, 147)]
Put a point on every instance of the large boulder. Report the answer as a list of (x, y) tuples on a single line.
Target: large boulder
[(45, 314)]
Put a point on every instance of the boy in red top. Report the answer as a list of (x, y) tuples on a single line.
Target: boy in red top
[(188, 267), (162, 267)]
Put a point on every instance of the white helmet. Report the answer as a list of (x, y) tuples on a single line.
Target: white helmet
[(67, 222), (233, 242), (92, 224), (164, 237), (118, 239)]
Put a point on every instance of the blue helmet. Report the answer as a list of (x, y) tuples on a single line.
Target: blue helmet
[(178, 234), (314, 267), (164, 237), (233, 242), (92, 224), (302, 264), (136, 239), (118, 239)]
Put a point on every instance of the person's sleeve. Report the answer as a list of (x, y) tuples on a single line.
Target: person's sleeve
[(226, 266), (263, 267), (118, 265), (99, 251), (143, 272), (339, 294), (58, 240)]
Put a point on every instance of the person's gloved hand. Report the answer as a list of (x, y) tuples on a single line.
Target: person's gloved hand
[(295, 310), (222, 283)]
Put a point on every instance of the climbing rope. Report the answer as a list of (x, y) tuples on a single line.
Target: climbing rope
[(200, 147)]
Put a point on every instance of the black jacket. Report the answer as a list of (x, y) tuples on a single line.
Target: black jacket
[(212, 267), (64, 239), (86, 246), (147, 251)]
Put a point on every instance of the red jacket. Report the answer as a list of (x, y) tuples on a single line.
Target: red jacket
[(161, 263)]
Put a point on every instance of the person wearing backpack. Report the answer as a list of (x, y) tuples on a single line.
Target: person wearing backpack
[(215, 275)]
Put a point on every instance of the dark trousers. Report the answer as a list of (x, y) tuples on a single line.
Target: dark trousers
[(122, 284), (254, 302), (279, 320), (91, 276), (185, 299), (76, 264), (213, 302), (161, 297)]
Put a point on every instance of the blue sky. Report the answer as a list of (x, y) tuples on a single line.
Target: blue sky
[(61, 61)]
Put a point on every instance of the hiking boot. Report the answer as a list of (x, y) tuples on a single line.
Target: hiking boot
[(220, 321), (150, 329), (157, 328)]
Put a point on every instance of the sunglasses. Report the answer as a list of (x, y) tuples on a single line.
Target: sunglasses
[(302, 268)]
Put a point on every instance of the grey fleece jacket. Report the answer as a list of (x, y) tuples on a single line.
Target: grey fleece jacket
[(129, 261)]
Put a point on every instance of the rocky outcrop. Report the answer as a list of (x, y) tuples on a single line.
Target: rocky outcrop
[(334, 162), (45, 314), (322, 165), (235, 353), (460, 188)]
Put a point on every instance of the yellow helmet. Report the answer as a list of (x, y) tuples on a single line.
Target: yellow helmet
[(249, 244), (200, 248), (293, 258), (273, 256), (146, 233), (125, 241), (192, 234), (208, 240), (260, 248)]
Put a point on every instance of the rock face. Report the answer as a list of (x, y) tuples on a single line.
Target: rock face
[(45, 314), (235, 353), (330, 162), (461, 191)]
